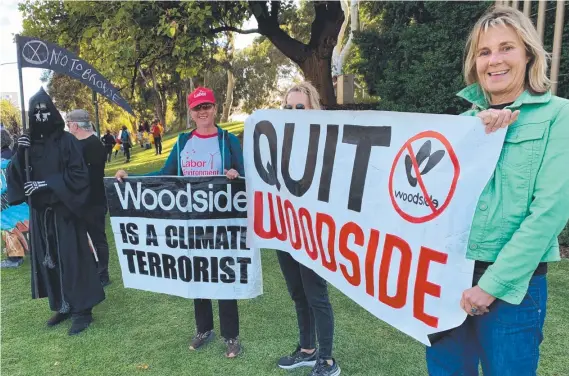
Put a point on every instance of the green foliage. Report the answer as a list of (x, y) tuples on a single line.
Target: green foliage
[(297, 20), (150, 50), (258, 69), (412, 58), (10, 116), (411, 53)]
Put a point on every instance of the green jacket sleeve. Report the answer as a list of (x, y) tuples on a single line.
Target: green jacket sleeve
[(508, 278)]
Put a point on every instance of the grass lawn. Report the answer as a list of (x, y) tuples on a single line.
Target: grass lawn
[(143, 333)]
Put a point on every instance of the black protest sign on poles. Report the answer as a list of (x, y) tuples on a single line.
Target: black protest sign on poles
[(36, 53), (184, 236)]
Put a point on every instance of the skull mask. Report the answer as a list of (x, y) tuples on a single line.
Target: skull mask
[(43, 117)]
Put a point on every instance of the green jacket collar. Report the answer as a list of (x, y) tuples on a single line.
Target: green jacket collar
[(475, 95)]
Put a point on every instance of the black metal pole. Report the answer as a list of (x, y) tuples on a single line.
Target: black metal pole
[(96, 103), (28, 177)]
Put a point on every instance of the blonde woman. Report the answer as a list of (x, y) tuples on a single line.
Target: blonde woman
[(307, 289), (521, 211)]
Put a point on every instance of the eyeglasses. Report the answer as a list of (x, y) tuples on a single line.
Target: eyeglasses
[(299, 106), (203, 106)]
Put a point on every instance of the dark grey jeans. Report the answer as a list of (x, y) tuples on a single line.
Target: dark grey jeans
[(313, 310)]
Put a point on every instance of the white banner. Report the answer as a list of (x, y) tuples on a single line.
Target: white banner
[(379, 204), (184, 237)]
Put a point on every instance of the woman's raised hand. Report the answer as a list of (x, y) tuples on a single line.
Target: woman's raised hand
[(495, 119)]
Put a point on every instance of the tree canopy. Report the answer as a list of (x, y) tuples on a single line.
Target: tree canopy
[(10, 116), (411, 53), (408, 54)]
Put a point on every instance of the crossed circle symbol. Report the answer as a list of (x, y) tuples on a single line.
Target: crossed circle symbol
[(35, 52)]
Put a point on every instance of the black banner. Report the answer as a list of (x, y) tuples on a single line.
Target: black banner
[(170, 197), (36, 53)]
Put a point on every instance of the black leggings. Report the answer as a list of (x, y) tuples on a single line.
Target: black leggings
[(314, 313)]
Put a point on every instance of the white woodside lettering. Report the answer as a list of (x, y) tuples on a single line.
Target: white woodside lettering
[(185, 201)]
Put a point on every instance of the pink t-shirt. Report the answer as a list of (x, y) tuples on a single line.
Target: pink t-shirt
[(201, 156)]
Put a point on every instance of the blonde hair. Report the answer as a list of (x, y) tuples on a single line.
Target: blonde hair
[(310, 91), (536, 79)]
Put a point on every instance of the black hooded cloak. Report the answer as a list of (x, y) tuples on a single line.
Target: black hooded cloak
[(64, 268)]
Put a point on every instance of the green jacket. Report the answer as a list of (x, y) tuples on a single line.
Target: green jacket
[(525, 205)]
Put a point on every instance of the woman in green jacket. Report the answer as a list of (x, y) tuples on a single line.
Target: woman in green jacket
[(522, 209)]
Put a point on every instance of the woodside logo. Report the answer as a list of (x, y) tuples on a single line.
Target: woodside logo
[(415, 166), (424, 154)]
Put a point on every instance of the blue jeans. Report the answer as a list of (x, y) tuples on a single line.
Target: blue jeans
[(505, 340)]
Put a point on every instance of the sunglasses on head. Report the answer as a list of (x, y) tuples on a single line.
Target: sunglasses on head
[(299, 106), (203, 106)]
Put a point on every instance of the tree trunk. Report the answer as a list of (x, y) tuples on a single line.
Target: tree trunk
[(228, 97), (319, 72), (159, 106), (336, 71), (314, 58), (354, 27), (160, 102), (188, 117), (181, 107)]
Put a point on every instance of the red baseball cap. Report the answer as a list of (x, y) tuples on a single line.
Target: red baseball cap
[(199, 96)]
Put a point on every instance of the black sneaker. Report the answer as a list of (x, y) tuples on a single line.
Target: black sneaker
[(298, 359), (201, 339), (322, 368)]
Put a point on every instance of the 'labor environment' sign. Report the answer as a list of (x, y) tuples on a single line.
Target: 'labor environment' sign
[(184, 236), (380, 204)]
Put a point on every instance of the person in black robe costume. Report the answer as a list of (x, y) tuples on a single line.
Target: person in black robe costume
[(63, 268)]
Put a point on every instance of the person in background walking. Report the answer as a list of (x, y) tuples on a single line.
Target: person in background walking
[(118, 145), (139, 134), (126, 143), (157, 134), (109, 142), (307, 289)]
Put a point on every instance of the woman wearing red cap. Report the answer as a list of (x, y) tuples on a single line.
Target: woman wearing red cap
[(223, 155)]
